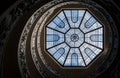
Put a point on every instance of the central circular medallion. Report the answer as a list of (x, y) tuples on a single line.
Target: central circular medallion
[(74, 37)]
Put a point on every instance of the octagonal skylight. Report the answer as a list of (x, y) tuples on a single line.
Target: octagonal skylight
[(74, 38)]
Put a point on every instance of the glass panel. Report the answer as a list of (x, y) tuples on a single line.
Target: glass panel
[(68, 61), (59, 22), (52, 37), (74, 16), (90, 22), (74, 59), (94, 40), (59, 53), (96, 37), (90, 53)]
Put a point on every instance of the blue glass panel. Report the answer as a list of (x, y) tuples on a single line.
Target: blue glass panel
[(59, 53), (96, 37), (74, 59), (90, 53), (90, 22), (52, 37), (74, 15), (59, 22)]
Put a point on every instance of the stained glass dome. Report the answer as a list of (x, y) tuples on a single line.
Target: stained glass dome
[(74, 37)]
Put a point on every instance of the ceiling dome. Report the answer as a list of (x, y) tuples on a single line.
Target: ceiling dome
[(64, 37)]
